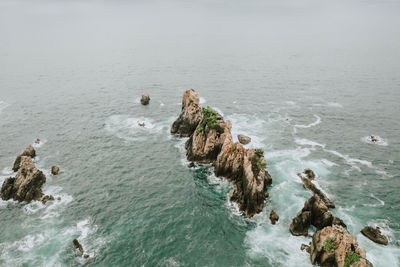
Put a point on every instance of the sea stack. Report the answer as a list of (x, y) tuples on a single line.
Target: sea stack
[(210, 141), (145, 99), (28, 152)]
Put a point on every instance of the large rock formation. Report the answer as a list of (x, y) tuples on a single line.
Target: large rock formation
[(210, 141), (309, 185), (316, 213), (190, 115), (375, 235), (333, 246), (26, 185), (29, 152)]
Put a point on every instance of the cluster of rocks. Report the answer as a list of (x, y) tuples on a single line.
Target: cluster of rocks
[(79, 247), (332, 244), (210, 141), (27, 183)]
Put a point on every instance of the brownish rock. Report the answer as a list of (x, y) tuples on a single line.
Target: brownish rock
[(309, 185), (190, 115), (47, 198), (77, 245), (86, 256), (145, 99), (27, 184), (29, 152), (330, 246), (244, 139), (305, 247), (273, 216), (58, 198), (37, 141), (55, 170), (309, 173), (375, 235)]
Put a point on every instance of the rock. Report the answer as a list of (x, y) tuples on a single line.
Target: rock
[(29, 152), (316, 213), (145, 99), (86, 256), (47, 198), (373, 139), (141, 124), (244, 139), (273, 216), (77, 245), (55, 170), (375, 235), (27, 184), (305, 247), (309, 185), (58, 198), (190, 117), (37, 141), (331, 245), (310, 174)]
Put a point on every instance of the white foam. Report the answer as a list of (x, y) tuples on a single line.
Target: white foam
[(316, 122), (291, 103), (40, 144), (218, 110), (380, 142), (128, 128), (303, 141), (330, 104), (328, 163), (3, 105), (202, 100), (377, 204), (353, 162)]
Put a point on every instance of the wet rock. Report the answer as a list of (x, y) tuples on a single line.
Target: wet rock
[(190, 117), (301, 223), (28, 152), (58, 198), (86, 256), (141, 124), (375, 235), (310, 174), (309, 185), (47, 198), (77, 245), (55, 170), (244, 139), (273, 216), (27, 184), (305, 247), (373, 139), (145, 99), (333, 244), (37, 141)]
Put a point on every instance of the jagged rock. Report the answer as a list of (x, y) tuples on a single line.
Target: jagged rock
[(190, 115), (316, 213), (145, 99), (55, 170), (375, 235), (204, 145), (37, 141), (29, 152), (77, 245), (309, 185), (310, 174), (244, 139), (305, 247), (47, 198), (373, 139), (331, 245), (273, 216), (27, 184)]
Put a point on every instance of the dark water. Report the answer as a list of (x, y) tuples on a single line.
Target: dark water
[(308, 81)]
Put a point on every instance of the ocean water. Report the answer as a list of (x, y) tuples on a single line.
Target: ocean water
[(307, 80)]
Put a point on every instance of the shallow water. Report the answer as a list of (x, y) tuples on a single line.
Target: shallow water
[(307, 81)]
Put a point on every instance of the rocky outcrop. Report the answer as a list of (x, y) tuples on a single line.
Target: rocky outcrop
[(244, 140), (309, 185), (274, 217), (55, 170), (79, 247), (316, 213), (26, 185), (28, 152), (309, 174), (306, 248), (333, 246), (145, 99), (375, 235), (210, 141), (47, 198), (190, 116)]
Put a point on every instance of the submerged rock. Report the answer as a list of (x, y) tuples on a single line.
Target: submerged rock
[(309, 173), (47, 198), (244, 139), (334, 246), (28, 152), (309, 185), (37, 141), (26, 185), (273, 216), (190, 116), (145, 99), (375, 235), (55, 170)]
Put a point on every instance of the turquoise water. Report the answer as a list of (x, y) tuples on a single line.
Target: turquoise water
[(307, 81)]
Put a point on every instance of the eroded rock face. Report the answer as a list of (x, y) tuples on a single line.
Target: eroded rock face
[(375, 235), (309, 185), (316, 213), (244, 139), (190, 115), (145, 99), (29, 152), (331, 245), (27, 184)]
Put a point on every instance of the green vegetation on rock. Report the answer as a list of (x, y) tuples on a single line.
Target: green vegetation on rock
[(351, 258), (329, 243), (209, 121), (259, 152)]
